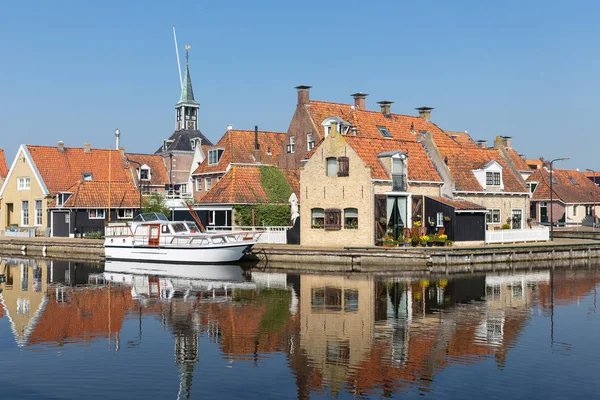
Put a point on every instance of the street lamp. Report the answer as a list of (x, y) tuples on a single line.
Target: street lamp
[(595, 189), (552, 205)]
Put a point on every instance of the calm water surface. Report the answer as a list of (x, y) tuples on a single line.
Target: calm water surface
[(70, 330)]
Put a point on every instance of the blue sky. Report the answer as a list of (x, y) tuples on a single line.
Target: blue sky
[(75, 71)]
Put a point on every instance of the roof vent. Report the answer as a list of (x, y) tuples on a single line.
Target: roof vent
[(61, 145), (229, 127), (87, 147)]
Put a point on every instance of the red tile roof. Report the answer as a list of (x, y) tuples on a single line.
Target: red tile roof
[(534, 164), (242, 185), (238, 147), (90, 194), (578, 190), (462, 161), (3, 166), (462, 138), (158, 170), (420, 167), (517, 160), (458, 204), (62, 169)]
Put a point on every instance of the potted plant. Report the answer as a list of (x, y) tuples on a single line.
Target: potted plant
[(446, 218), (441, 240), (431, 240), (424, 239), (414, 241), (449, 243), (389, 242), (417, 224), (318, 224)]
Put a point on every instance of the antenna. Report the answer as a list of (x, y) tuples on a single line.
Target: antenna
[(177, 54)]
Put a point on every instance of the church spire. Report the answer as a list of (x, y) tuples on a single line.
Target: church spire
[(187, 93), (187, 107)]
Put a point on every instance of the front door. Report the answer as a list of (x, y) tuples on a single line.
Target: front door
[(153, 235), (543, 212), (517, 219), (9, 214), (60, 223)]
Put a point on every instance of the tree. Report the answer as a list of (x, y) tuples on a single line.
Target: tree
[(155, 203)]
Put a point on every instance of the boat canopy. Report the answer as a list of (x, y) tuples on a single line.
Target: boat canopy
[(151, 216)]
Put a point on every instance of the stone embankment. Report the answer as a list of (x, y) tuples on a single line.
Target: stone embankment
[(81, 249)]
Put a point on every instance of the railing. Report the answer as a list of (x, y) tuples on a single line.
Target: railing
[(272, 234), (518, 235)]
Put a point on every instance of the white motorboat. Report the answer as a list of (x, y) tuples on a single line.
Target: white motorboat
[(152, 237)]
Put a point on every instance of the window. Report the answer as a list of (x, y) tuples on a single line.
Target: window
[(493, 216), (193, 144), (214, 156), (532, 187), (384, 131), (198, 184), (25, 212), (23, 183), (517, 219), (343, 166), (125, 213), (87, 176), (317, 218), (439, 219), (96, 213), (309, 142), (331, 166), (574, 211), (38, 213), (68, 218), (492, 178), (333, 218), (573, 181), (589, 210), (144, 174), (351, 218), (208, 183), (61, 198), (398, 174), (292, 146)]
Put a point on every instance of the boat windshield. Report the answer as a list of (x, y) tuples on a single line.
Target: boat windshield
[(192, 227), (178, 227), (152, 216)]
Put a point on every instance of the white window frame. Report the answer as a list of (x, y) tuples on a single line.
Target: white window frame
[(39, 214), (491, 214), (575, 210), (23, 183), (214, 156), (24, 212), (439, 219), (94, 213), (493, 175), (127, 213), (147, 170), (310, 144), (212, 217), (333, 165), (207, 183), (292, 144), (512, 215), (198, 184)]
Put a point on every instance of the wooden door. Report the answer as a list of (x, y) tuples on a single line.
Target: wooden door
[(153, 235), (380, 218)]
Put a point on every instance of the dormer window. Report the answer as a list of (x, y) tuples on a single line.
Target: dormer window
[(492, 178), (61, 198), (193, 144), (214, 156), (384, 131), (331, 123), (87, 176), (144, 173)]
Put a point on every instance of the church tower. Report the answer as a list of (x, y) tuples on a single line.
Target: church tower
[(187, 108)]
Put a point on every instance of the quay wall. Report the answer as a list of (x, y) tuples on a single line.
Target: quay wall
[(81, 249)]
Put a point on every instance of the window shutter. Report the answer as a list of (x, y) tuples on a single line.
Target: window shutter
[(343, 166), (333, 218)]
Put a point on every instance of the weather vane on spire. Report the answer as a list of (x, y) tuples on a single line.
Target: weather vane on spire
[(187, 56)]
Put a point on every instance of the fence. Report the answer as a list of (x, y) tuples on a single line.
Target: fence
[(518, 235), (271, 234)]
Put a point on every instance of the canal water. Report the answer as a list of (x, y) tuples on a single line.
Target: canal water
[(71, 330)]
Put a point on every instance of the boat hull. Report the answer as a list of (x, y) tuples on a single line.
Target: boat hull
[(226, 253)]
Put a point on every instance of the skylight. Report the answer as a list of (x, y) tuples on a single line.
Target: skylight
[(87, 176), (573, 181), (384, 131)]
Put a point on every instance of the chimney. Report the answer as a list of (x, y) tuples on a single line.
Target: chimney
[(507, 141), (256, 145), (87, 147), (229, 127), (118, 138), (60, 146), (303, 94), (359, 100), (385, 107), (482, 143), (425, 112)]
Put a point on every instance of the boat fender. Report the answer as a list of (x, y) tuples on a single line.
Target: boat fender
[(44, 249), (23, 249)]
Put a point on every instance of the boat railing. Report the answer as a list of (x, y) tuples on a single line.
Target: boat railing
[(141, 239)]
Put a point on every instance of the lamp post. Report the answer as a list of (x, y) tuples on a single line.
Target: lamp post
[(552, 205), (595, 190), (139, 180)]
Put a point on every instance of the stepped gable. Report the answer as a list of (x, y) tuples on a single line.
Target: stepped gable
[(95, 194), (158, 170), (242, 185), (239, 147), (61, 169), (571, 186), (461, 162)]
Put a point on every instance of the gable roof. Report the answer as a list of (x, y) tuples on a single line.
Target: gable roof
[(61, 169), (94, 194), (462, 138), (461, 162), (158, 169), (238, 146), (3, 166), (517, 160), (181, 141), (458, 204), (242, 185), (582, 191)]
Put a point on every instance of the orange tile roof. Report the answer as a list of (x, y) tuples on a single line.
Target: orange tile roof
[(517, 160), (90, 194), (591, 174), (3, 166), (158, 170), (400, 127), (462, 161), (582, 191), (534, 164), (238, 147), (458, 204), (242, 185), (62, 169), (462, 138), (420, 167)]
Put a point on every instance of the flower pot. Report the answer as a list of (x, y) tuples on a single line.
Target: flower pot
[(429, 244), (440, 244), (388, 245), (406, 244), (414, 244), (424, 244)]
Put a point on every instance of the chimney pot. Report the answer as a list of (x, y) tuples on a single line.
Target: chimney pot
[(61, 145), (87, 147), (385, 107), (482, 143), (256, 145), (425, 112), (118, 138), (507, 141), (229, 127), (303, 94), (359, 100)]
